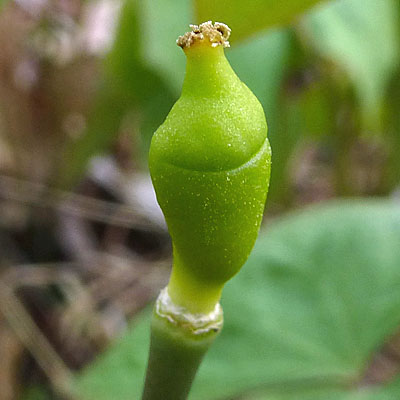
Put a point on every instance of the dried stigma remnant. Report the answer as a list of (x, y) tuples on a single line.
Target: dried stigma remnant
[(217, 34)]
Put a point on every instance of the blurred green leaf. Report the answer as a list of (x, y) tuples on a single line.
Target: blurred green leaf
[(360, 36), (393, 134), (322, 394), (318, 110), (320, 294), (118, 373), (163, 22), (261, 63), (35, 393), (246, 18), (284, 139), (389, 392)]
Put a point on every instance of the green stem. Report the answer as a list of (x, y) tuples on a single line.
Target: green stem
[(179, 341)]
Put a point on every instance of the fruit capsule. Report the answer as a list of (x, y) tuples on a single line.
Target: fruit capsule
[(210, 165)]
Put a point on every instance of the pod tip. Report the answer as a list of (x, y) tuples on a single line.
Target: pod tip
[(216, 34)]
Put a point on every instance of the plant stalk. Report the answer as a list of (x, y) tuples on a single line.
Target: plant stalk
[(179, 341)]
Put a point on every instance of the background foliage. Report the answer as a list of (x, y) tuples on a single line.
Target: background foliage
[(302, 319)]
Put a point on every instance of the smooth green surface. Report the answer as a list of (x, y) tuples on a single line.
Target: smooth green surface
[(217, 124), (246, 18), (318, 296), (210, 164)]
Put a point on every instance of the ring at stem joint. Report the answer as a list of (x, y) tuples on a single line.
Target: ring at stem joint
[(195, 323), (179, 341)]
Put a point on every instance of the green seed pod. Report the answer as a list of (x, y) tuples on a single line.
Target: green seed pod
[(210, 165)]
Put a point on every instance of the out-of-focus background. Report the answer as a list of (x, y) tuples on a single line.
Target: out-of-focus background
[(84, 248)]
